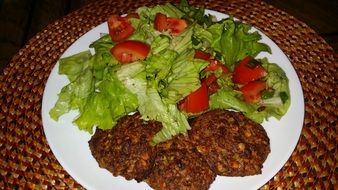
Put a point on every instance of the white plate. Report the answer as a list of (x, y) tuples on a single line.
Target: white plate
[(70, 145)]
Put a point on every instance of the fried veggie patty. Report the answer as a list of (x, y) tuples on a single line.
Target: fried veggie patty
[(231, 144), (125, 150), (220, 142), (180, 169), (177, 142), (179, 166)]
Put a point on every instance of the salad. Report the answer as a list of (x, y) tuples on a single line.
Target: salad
[(171, 62)]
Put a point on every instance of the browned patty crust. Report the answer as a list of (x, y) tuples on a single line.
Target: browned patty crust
[(179, 166), (177, 142), (180, 169), (231, 144), (125, 150)]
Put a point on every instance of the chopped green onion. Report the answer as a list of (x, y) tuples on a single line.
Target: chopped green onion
[(266, 94), (218, 55), (284, 96), (253, 64)]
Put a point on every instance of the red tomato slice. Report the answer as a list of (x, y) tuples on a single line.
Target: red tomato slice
[(214, 65), (119, 28), (160, 22), (174, 25), (211, 82), (130, 50), (209, 79), (197, 101), (245, 73), (252, 91), (202, 55)]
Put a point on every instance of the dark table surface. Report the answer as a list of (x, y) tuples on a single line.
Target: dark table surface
[(20, 20)]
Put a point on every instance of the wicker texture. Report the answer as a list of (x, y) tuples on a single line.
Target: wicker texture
[(26, 160)]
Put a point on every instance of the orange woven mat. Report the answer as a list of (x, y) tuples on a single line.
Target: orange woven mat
[(26, 160)]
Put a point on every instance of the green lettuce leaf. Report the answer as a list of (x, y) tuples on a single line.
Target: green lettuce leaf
[(229, 99), (74, 95), (216, 30), (150, 103), (94, 89), (122, 101), (230, 41), (167, 9), (153, 107), (133, 76), (95, 113), (195, 14), (237, 42), (101, 60), (102, 57), (104, 42), (158, 67), (280, 101), (183, 41), (276, 105), (106, 105), (174, 122), (145, 30), (184, 76), (201, 38), (74, 65), (160, 43)]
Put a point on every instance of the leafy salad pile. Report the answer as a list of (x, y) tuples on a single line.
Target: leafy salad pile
[(171, 62)]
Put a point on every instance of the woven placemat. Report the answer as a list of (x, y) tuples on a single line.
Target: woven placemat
[(26, 160)]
